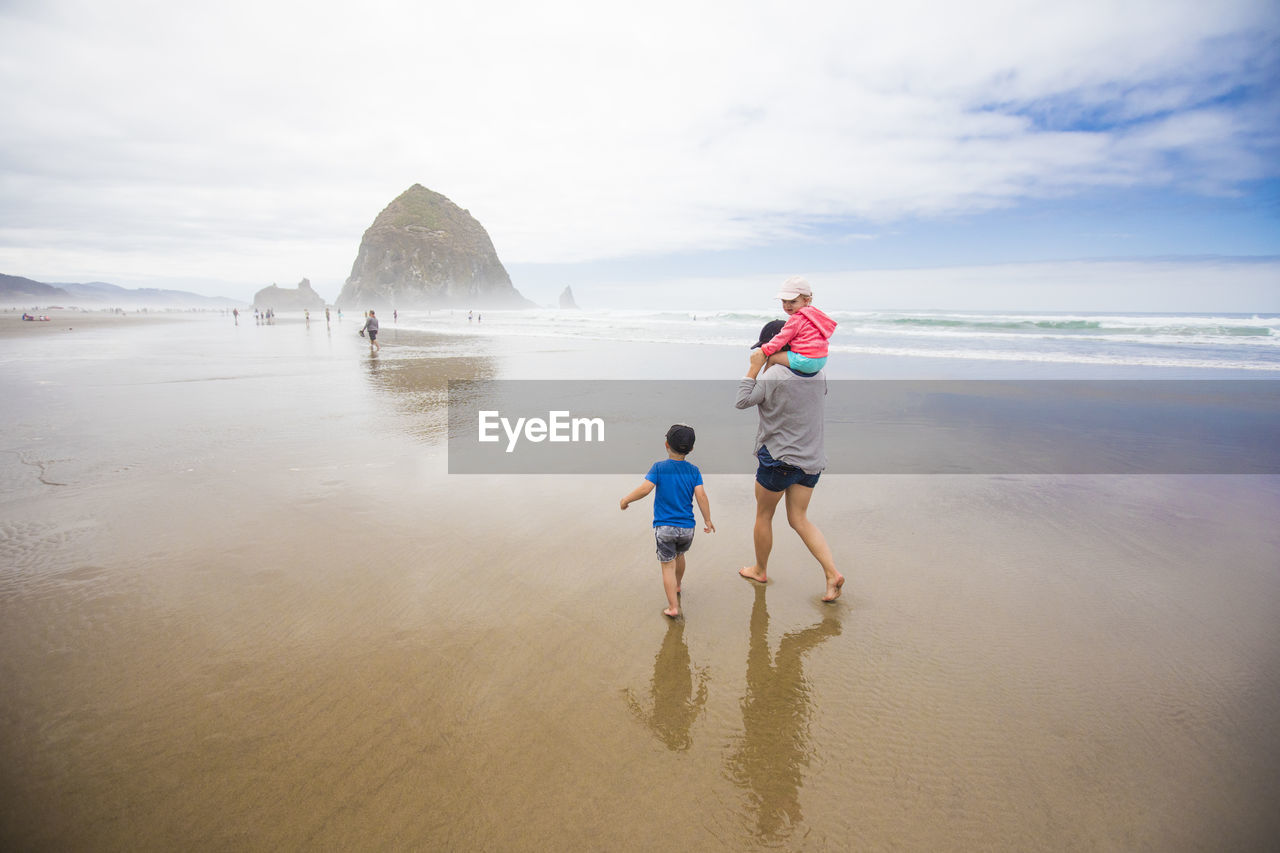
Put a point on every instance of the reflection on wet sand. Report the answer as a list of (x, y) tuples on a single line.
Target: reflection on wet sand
[(416, 373), (675, 703), (774, 748)]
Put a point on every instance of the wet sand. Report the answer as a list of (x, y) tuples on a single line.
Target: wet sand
[(242, 606)]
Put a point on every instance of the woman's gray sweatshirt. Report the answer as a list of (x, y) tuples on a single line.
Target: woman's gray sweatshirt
[(791, 414)]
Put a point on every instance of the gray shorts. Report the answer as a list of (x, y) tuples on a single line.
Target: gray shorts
[(672, 541)]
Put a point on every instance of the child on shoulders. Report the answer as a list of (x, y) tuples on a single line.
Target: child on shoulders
[(805, 333)]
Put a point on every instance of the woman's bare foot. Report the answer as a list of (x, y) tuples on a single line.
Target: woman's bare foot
[(673, 612), (748, 572), (833, 589)]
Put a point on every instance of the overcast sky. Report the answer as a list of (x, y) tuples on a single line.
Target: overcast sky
[(222, 147)]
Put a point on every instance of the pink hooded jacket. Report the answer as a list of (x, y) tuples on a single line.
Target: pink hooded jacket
[(807, 331)]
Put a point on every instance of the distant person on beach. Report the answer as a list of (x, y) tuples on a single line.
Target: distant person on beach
[(235, 312), (679, 484), (805, 333), (371, 326), (326, 315), (790, 456)]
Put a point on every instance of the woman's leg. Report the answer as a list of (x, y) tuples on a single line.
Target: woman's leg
[(798, 498), (762, 534)]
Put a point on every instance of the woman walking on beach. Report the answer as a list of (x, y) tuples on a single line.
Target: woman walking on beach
[(791, 456), (371, 326)]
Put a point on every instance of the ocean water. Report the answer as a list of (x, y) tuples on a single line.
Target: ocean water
[(1053, 344)]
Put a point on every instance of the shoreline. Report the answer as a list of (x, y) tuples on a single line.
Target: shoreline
[(70, 319)]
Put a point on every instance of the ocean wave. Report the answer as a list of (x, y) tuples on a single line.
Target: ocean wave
[(1246, 342), (1188, 326), (1109, 359), (946, 323), (1150, 336), (1181, 327)]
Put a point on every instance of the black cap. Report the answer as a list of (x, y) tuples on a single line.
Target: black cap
[(681, 438), (767, 334)]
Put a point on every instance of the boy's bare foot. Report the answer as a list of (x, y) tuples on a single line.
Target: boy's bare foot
[(748, 573), (672, 612), (833, 589)]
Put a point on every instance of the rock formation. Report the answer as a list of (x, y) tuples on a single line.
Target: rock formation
[(566, 299), (284, 299), (423, 251)]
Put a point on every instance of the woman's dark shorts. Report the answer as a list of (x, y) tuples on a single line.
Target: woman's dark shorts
[(776, 476)]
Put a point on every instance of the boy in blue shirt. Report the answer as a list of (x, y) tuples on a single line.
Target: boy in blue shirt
[(678, 483)]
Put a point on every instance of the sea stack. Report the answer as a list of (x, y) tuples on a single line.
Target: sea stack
[(278, 299), (423, 251), (566, 299)]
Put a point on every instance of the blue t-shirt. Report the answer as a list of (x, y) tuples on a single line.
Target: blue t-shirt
[(673, 499)]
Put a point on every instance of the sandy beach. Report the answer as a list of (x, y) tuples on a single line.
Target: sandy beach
[(243, 605)]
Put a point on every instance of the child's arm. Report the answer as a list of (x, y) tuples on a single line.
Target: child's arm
[(640, 491), (784, 336), (704, 507), (780, 358)]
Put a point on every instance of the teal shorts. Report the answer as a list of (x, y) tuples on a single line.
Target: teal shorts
[(804, 364)]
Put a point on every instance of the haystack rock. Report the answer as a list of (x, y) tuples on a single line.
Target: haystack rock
[(423, 251), (566, 299), (279, 299)]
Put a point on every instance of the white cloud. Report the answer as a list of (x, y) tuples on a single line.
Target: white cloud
[(255, 141)]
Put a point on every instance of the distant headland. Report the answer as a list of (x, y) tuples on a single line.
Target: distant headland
[(23, 292)]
